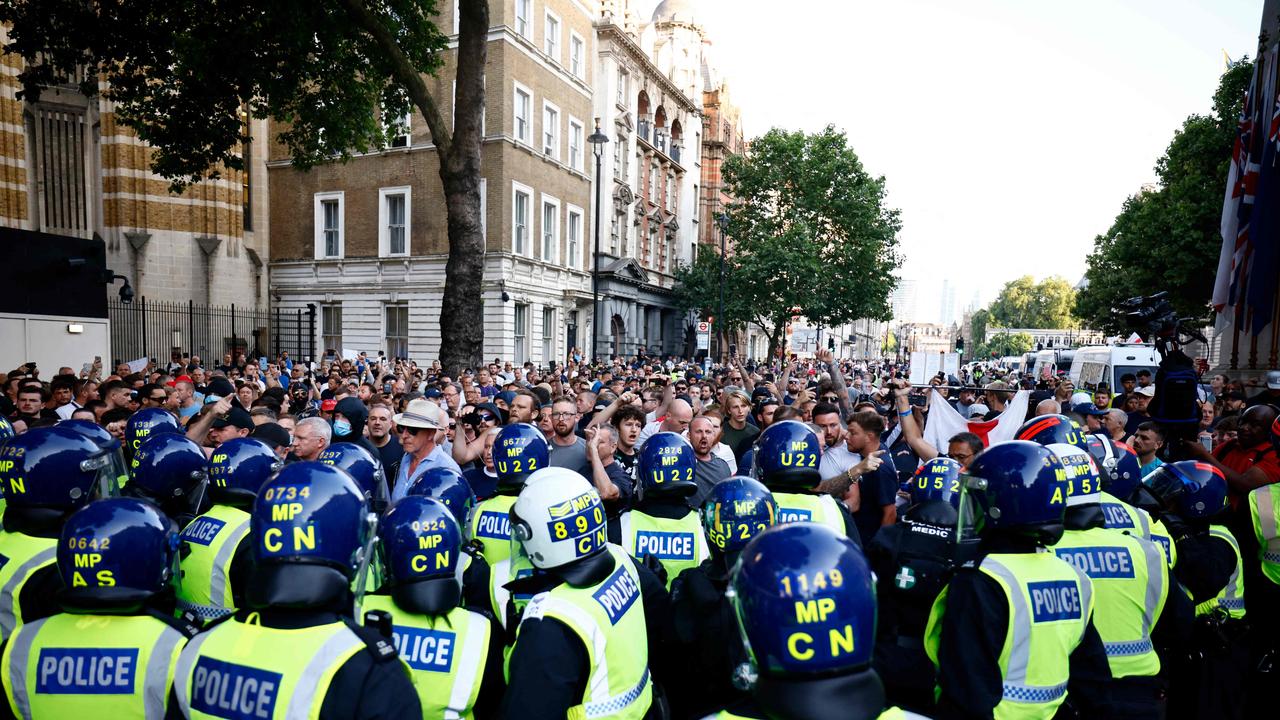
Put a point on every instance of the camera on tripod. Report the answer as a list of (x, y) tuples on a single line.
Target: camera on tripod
[(1155, 315)]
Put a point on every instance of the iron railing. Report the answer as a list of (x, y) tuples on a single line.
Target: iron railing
[(150, 328)]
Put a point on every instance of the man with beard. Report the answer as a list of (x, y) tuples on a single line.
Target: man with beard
[(567, 449), (380, 436)]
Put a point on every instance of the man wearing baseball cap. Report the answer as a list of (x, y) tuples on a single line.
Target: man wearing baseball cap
[(1269, 396), (420, 428)]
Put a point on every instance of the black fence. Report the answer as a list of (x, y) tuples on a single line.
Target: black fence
[(149, 328)]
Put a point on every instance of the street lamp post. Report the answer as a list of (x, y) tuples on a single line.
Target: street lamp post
[(597, 140), (721, 220)]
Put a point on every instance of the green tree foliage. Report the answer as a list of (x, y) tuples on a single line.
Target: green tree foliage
[(1025, 303), (978, 328), (1169, 237), (810, 230), (1003, 344), (180, 72)]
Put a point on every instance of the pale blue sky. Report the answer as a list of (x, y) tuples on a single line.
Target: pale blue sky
[(1009, 132)]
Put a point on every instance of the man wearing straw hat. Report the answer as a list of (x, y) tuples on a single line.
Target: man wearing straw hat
[(419, 429)]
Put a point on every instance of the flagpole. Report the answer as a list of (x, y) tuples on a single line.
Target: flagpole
[(1253, 342), (1275, 329), (1235, 342)]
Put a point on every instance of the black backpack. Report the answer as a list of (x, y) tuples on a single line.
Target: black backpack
[(1176, 402)]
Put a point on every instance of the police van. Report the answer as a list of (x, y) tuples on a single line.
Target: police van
[(1108, 363)]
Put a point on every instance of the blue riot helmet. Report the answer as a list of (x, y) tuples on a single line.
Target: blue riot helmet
[(312, 534), (116, 553), (104, 440), (238, 468), (786, 457), (1050, 429), (1117, 463), (421, 545), (1084, 481), (6, 429), (805, 605), (519, 451), (935, 493), (170, 470), (363, 467), (48, 472), (735, 511), (146, 424), (666, 466), (1015, 487), (1194, 490), (447, 486)]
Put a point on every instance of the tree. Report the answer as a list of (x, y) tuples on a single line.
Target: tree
[(1003, 344), (1024, 303), (180, 71), (811, 236), (1169, 237), (978, 328)]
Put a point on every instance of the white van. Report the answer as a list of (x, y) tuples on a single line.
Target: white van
[(1107, 363), (1013, 362), (1046, 365)]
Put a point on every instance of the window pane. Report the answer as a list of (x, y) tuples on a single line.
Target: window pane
[(521, 220)]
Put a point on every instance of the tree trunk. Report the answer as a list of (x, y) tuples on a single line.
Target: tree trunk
[(775, 340), (462, 310)]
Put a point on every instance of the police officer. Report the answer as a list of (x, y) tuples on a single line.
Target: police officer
[(364, 467), (1136, 614), (786, 461), (704, 636), (451, 488), (480, 587), (519, 451), (1260, 549), (146, 424), (586, 641), (1050, 429), (215, 554), (295, 649), (1191, 499), (914, 559), (47, 473), (661, 523), (1121, 474), (172, 472), (805, 608), (455, 652), (112, 651), (1012, 633)]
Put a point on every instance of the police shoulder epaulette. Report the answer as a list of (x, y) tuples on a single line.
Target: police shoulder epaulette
[(186, 624), (381, 648)]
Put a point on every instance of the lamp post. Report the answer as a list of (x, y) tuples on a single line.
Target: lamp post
[(597, 140), (721, 221)]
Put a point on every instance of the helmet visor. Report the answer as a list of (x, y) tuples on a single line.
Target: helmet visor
[(970, 516), (110, 473)]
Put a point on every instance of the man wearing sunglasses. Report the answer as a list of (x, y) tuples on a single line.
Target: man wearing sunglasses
[(420, 428)]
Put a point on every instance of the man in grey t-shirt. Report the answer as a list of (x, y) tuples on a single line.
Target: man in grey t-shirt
[(566, 449), (704, 434)]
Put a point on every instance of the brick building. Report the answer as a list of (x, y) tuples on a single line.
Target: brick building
[(367, 241)]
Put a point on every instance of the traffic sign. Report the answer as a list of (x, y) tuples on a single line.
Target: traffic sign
[(704, 327)]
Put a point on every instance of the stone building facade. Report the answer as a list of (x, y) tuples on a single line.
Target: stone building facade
[(366, 241), (68, 168)]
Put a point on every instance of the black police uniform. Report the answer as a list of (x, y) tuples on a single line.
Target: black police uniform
[(913, 559), (704, 641), (370, 685), (549, 667), (969, 651)]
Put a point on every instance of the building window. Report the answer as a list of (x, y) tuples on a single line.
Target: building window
[(671, 192), (550, 228), (524, 9), (393, 221), (622, 88), (573, 237), (653, 184), (246, 181), (402, 127), (397, 330), (521, 334), (521, 198), (577, 51), (575, 144), (548, 334), (523, 109), (331, 327), (620, 158), (550, 130), (329, 224), (63, 177), (551, 36)]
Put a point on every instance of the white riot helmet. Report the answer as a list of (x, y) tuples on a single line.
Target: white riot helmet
[(1084, 481), (557, 519)]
